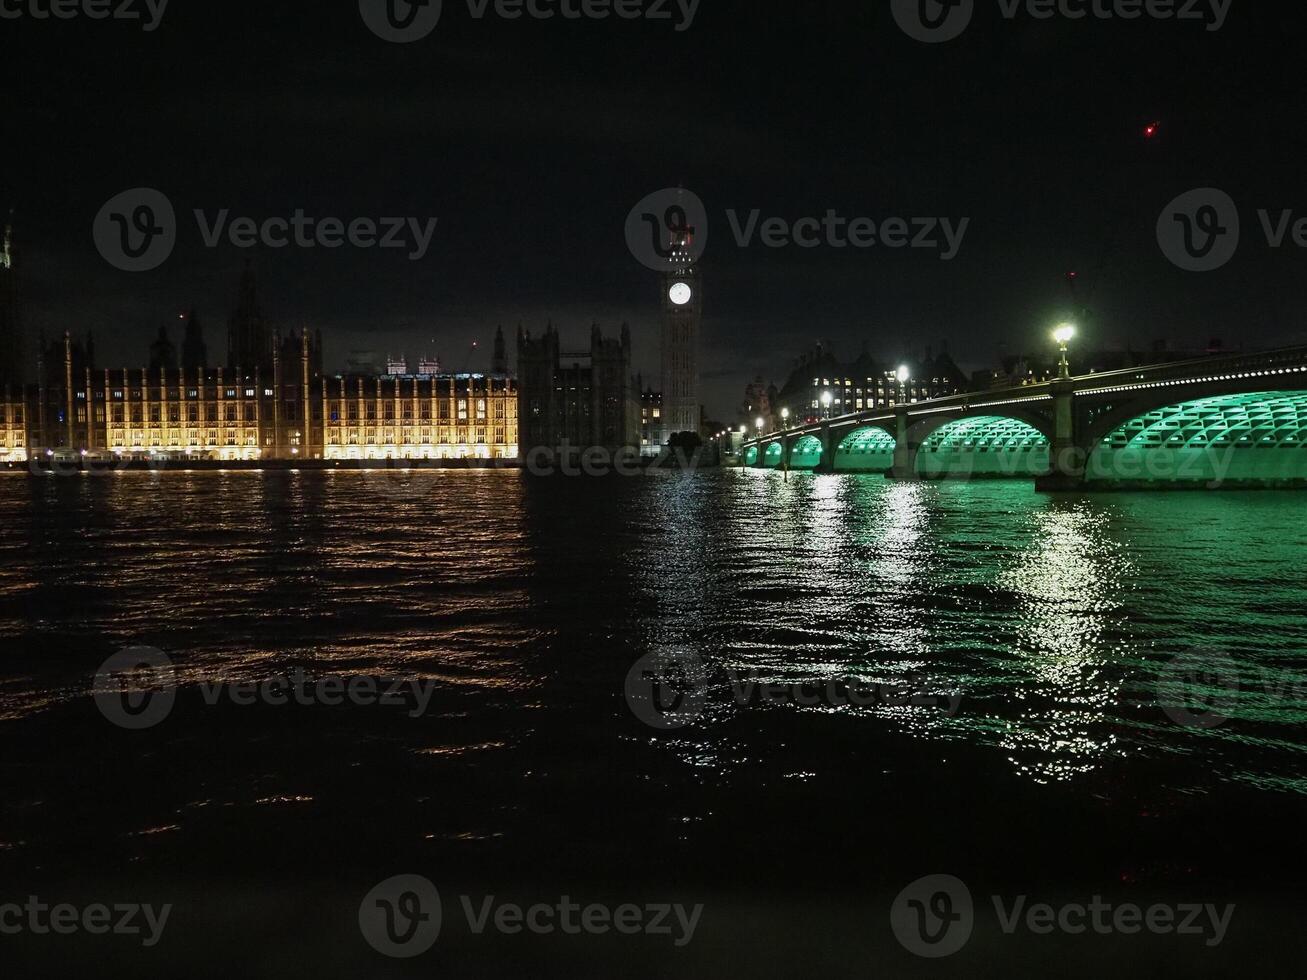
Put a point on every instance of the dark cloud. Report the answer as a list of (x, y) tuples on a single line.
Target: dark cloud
[(530, 141)]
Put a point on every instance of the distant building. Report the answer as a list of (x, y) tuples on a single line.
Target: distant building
[(760, 401), (864, 383), (397, 366), (1018, 369), (429, 365), (579, 399), (651, 422)]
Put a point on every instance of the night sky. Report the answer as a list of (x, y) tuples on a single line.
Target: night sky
[(531, 140)]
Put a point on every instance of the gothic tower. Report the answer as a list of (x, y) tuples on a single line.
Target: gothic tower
[(249, 344), (13, 365), (195, 355), (682, 308), (499, 363), (163, 353)]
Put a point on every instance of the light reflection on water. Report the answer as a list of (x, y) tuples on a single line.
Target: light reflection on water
[(1049, 615)]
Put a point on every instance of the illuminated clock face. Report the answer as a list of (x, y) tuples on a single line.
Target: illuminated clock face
[(680, 293)]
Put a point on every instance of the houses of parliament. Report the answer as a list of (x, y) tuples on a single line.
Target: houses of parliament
[(271, 401)]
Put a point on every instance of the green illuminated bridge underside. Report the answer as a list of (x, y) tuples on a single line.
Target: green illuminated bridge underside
[(1247, 437)]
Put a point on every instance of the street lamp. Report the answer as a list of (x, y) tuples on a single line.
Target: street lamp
[(904, 374), (826, 399), (785, 456), (1063, 334)]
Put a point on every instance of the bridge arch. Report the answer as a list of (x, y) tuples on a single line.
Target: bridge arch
[(751, 455), (805, 453), (869, 449), (772, 453), (983, 445), (1258, 437)]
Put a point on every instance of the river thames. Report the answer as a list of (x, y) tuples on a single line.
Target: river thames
[(1009, 654)]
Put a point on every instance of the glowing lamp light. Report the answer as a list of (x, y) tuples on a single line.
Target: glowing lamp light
[(759, 423), (785, 414), (904, 374), (1063, 333), (827, 398)]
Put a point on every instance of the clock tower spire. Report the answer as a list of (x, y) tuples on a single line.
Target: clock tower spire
[(682, 306)]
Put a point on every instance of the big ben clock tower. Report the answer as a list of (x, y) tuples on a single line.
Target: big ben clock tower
[(682, 299)]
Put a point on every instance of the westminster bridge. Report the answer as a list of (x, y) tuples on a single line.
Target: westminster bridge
[(1238, 420)]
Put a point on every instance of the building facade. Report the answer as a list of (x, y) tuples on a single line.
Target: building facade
[(278, 405), (579, 399), (463, 416), (651, 422), (285, 411), (861, 384)]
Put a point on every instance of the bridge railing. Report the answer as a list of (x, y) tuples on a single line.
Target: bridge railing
[(1210, 366), (1205, 366)]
